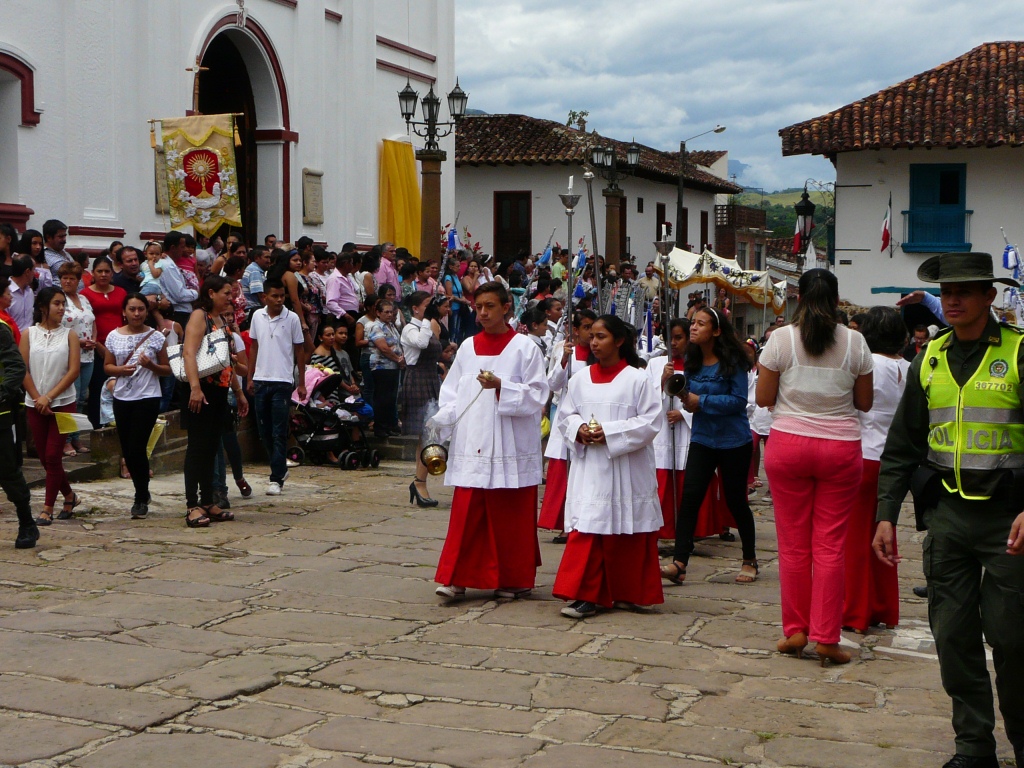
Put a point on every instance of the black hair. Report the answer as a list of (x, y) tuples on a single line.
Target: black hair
[(727, 347), (190, 242), (303, 242), (416, 297), (543, 284), (280, 260), (383, 288), (620, 331), (149, 319), (884, 330), (11, 233), (679, 322), (815, 315), (533, 316), (43, 299), (257, 251), (546, 305), (267, 237), (556, 283), (922, 327), (20, 265), (434, 308), (51, 227), (583, 314), (421, 266), (102, 260), (172, 239), (496, 288), (321, 254), (233, 265), (320, 331), (859, 318), (272, 282), (371, 259), (25, 245), (212, 284), (841, 317), (408, 270)]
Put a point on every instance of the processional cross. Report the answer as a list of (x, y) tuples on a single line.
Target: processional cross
[(195, 87)]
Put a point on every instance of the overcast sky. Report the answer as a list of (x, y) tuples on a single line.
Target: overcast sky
[(665, 70)]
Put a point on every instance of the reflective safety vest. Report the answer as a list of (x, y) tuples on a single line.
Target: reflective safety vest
[(977, 428)]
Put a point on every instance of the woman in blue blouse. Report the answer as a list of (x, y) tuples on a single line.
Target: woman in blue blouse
[(716, 370)]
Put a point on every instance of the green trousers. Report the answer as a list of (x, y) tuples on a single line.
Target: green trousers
[(976, 594)]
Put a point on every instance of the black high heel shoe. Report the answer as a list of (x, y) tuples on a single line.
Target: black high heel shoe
[(421, 501)]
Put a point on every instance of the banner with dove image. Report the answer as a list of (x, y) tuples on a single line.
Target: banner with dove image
[(202, 178)]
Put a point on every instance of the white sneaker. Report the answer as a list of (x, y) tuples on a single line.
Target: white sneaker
[(450, 591), (291, 463), (504, 593), (273, 489)]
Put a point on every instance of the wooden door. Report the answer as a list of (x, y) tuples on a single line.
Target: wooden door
[(513, 224)]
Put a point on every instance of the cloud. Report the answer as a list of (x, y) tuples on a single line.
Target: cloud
[(665, 70)]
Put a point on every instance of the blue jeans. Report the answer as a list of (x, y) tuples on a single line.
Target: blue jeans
[(272, 403)]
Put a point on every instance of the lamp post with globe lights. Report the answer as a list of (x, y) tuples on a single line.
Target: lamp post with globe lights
[(431, 156)]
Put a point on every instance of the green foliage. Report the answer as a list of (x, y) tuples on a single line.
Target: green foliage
[(781, 216), (575, 116)]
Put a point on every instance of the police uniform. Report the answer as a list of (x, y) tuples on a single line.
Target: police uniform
[(12, 374), (958, 438)]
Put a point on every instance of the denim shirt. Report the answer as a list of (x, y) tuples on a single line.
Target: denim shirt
[(721, 421)]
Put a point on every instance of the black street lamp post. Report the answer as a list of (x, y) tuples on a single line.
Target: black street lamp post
[(681, 230), (431, 156)]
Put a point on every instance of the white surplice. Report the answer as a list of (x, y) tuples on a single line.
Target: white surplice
[(613, 488), (556, 448), (496, 443), (663, 442)]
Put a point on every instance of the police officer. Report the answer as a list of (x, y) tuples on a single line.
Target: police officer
[(957, 442), (12, 374)]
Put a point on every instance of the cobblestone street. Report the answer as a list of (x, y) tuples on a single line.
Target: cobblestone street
[(307, 633)]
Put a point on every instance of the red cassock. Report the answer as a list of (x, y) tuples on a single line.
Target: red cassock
[(872, 587), (605, 569), (713, 518), (552, 508), (492, 539)]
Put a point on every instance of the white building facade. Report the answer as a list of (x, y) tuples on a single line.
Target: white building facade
[(948, 146), (510, 170), (317, 81)]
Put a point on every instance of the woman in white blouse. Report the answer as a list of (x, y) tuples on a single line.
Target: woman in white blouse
[(79, 317), (817, 374), (872, 587), (422, 351), (51, 354)]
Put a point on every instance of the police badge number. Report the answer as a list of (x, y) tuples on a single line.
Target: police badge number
[(998, 369)]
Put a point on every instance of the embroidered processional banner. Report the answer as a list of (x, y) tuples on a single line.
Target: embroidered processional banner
[(202, 180)]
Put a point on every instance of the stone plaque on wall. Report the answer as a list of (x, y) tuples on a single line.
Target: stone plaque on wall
[(312, 196), (163, 205)]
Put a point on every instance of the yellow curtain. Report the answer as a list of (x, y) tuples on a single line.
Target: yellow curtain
[(399, 196)]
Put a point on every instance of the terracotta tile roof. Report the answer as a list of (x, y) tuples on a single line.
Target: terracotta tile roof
[(971, 101), (520, 139), (704, 157)]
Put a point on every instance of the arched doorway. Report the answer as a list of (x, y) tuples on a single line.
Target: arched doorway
[(245, 75), (225, 87)]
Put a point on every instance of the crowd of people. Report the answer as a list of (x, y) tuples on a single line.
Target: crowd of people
[(643, 442)]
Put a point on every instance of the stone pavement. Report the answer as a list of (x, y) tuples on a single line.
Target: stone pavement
[(307, 633)]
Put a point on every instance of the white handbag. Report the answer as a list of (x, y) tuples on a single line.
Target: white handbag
[(213, 357)]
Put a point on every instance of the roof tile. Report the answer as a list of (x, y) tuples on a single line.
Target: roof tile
[(520, 139), (970, 101)]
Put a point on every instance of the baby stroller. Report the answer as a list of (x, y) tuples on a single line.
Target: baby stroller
[(322, 424)]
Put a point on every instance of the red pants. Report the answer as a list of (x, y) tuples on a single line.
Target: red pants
[(492, 539), (50, 447), (814, 484), (606, 569), (872, 587), (552, 508), (713, 518)]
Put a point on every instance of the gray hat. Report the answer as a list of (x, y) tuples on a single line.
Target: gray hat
[(960, 268)]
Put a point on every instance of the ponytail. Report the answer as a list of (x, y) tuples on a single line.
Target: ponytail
[(815, 315)]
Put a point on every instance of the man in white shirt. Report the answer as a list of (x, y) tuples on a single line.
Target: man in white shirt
[(277, 348)]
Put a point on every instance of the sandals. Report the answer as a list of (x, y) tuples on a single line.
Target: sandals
[(125, 474), (746, 578), (727, 535), (220, 516), (45, 518), (674, 572), (80, 448), (196, 522), (69, 452), (68, 510)]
